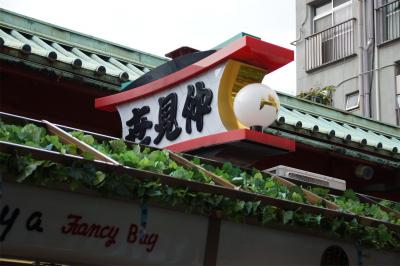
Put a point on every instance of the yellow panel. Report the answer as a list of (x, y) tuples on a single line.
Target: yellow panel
[(236, 75)]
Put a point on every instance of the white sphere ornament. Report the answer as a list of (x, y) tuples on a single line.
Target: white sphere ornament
[(256, 105)]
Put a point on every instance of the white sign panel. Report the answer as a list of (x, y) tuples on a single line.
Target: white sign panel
[(242, 244), (60, 226), (163, 118), (57, 226)]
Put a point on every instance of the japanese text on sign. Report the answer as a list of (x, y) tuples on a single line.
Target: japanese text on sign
[(197, 104)]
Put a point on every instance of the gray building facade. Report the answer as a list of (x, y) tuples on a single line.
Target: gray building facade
[(353, 46)]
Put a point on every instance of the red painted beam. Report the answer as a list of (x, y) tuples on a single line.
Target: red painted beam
[(234, 135)]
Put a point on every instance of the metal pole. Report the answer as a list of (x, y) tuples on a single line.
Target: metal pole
[(376, 66), (360, 54)]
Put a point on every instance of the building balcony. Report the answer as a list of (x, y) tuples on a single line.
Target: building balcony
[(388, 22), (330, 45)]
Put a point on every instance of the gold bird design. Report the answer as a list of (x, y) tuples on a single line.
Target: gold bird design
[(271, 102)]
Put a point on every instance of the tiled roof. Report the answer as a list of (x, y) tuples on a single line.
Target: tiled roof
[(32, 40), (316, 121)]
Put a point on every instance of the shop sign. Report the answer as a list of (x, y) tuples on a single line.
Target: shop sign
[(69, 227), (198, 107), (189, 109), (196, 100)]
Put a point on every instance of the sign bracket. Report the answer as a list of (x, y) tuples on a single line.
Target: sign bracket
[(188, 164), (310, 196), (68, 138)]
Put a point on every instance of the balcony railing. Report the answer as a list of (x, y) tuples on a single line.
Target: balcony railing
[(330, 45), (388, 22)]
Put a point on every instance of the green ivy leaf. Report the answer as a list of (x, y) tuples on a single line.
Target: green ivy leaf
[(350, 194), (196, 160), (181, 172), (74, 184), (100, 177), (269, 213), (287, 216), (55, 141), (248, 207), (118, 146), (322, 192), (32, 134), (88, 155), (28, 169), (77, 134), (88, 139)]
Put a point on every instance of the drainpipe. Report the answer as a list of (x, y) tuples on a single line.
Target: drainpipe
[(361, 53), (365, 59), (366, 43), (368, 53), (377, 76)]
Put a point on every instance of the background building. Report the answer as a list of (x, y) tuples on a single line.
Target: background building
[(353, 46)]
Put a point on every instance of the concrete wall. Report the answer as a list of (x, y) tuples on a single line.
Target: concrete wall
[(388, 55), (344, 73)]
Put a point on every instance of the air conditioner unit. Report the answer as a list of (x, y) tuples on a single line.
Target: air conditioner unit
[(308, 177)]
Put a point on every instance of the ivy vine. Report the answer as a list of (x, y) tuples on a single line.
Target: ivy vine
[(47, 173), (319, 95)]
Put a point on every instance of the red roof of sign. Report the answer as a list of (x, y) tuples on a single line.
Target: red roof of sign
[(247, 49), (231, 136)]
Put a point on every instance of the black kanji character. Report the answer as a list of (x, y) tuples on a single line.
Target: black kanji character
[(167, 124), (140, 124), (196, 106)]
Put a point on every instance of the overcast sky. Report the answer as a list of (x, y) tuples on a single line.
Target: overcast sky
[(160, 26)]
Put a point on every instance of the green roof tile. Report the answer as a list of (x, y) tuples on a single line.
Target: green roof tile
[(304, 117)]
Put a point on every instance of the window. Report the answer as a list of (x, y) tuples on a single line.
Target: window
[(388, 16), (392, 20), (333, 33), (352, 101), (330, 14)]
